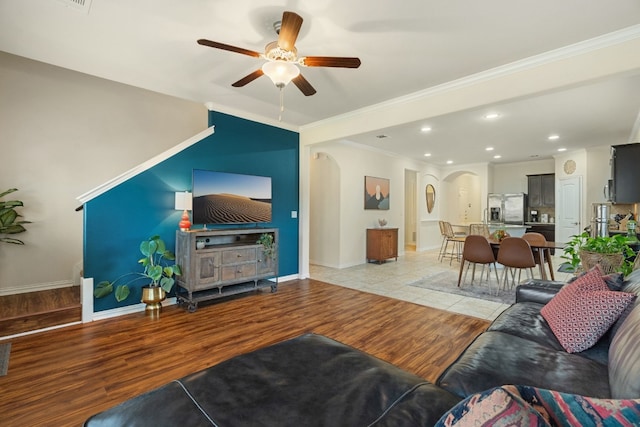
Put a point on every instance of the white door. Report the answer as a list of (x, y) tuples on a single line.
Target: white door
[(568, 216)]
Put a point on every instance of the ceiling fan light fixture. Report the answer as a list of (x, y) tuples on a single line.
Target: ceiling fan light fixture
[(280, 72)]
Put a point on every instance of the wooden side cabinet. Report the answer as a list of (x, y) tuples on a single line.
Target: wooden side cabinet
[(382, 244)]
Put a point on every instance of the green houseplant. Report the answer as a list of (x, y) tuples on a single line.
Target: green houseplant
[(611, 252), (268, 245), (9, 223), (158, 271)]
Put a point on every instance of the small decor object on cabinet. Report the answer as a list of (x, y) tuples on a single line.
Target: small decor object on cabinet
[(376, 193), (382, 222), (382, 244)]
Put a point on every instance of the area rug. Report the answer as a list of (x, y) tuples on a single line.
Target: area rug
[(5, 349), (447, 281)]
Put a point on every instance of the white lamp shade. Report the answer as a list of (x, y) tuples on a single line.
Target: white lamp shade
[(280, 72), (183, 201)]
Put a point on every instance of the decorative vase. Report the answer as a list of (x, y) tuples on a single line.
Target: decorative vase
[(153, 297)]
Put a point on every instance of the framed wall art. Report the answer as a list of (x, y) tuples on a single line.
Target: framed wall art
[(376, 193)]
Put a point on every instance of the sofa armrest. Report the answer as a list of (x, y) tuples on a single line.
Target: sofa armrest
[(538, 291)]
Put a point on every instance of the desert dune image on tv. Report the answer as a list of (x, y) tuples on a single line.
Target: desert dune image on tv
[(230, 198)]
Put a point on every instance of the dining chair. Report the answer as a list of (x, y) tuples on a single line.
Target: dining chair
[(515, 254), (479, 229), (477, 250), (537, 239)]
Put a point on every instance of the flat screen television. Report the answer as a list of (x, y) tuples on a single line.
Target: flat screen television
[(230, 198)]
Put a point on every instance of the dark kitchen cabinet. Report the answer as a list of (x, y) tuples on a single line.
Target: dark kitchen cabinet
[(625, 173), (542, 190)]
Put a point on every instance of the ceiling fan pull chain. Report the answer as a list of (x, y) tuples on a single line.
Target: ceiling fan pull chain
[(281, 103)]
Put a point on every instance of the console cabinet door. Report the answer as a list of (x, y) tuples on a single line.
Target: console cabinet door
[(265, 263), (207, 269)]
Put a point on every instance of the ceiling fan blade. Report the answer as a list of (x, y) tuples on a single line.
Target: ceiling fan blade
[(289, 29), (248, 79), (228, 47), (304, 86), (330, 61)]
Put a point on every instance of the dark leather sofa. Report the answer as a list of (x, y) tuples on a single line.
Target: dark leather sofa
[(520, 348), (312, 380)]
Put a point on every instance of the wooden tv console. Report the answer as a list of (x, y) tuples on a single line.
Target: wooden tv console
[(223, 262)]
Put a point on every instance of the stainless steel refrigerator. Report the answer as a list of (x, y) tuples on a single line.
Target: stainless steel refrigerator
[(510, 208)]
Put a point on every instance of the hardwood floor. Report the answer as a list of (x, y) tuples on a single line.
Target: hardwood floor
[(61, 377)]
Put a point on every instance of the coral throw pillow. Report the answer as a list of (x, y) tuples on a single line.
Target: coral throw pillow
[(583, 311)]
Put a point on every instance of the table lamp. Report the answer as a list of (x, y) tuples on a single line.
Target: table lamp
[(184, 204)]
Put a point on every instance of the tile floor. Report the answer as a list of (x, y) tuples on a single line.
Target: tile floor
[(391, 279)]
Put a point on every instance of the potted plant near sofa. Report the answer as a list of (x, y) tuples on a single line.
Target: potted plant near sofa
[(612, 253), (158, 272)]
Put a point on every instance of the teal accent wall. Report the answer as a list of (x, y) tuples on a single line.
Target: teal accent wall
[(118, 220)]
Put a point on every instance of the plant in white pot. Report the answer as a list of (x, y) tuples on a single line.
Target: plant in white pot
[(158, 272)]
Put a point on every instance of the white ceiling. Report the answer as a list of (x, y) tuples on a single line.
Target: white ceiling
[(405, 47)]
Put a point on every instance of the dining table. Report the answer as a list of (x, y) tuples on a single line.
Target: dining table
[(543, 248)]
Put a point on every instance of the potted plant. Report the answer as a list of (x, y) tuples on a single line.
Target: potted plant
[(158, 272), (611, 252), (9, 223), (268, 245)]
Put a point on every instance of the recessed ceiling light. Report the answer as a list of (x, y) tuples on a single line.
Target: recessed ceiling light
[(427, 154), (449, 162), (553, 137), (491, 116), (425, 129), (489, 149), (497, 156), (562, 149)]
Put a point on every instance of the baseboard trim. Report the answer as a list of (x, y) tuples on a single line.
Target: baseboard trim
[(121, 311)]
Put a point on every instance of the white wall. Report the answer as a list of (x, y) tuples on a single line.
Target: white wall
[(64, 133), (324, 215), (352, 163), (512, 177)]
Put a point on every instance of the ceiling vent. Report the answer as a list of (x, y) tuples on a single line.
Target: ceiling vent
[(81, 5)]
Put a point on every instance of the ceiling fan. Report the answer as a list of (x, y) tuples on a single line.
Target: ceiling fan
[(282, 57)]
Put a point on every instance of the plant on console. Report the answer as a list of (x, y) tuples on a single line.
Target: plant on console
[(156, 270), (268, 245)]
